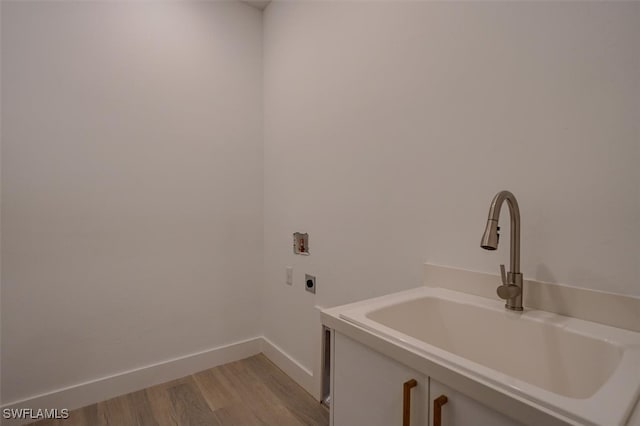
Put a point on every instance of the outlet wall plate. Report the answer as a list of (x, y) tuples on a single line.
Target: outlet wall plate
[(310, 283), (289, 275)]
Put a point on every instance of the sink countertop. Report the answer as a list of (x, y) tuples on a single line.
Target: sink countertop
[(610, 403)]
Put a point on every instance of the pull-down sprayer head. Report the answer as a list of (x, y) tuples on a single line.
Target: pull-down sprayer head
[(490, 237)]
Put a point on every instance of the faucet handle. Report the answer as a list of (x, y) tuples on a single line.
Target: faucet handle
[(503, 274), (508, 291)]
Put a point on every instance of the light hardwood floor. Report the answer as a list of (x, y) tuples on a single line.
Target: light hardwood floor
[(249, 392)]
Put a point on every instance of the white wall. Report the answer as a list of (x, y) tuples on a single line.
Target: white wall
[(131, 185), (389, 127), (132, 210)]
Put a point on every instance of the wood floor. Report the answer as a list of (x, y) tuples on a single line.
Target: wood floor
[(249, 392)]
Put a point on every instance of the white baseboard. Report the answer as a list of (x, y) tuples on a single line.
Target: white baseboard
[(90, 392), (93, 391), (299, 373)]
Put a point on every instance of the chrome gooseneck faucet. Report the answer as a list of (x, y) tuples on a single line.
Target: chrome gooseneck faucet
[(511, 289)]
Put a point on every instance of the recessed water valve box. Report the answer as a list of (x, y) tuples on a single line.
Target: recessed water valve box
[(310, 283), (301, 243)]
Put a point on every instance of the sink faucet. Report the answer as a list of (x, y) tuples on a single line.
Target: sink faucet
[(511, 288)]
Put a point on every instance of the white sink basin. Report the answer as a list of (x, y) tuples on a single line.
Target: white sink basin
[(542, 353), (585, 371)]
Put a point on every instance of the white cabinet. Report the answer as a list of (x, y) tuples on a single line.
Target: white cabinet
[(460, 410), (367, 390)]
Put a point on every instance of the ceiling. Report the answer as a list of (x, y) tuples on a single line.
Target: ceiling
[(258, 4)]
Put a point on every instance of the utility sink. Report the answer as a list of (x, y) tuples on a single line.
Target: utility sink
[(542, 353), (585, 371)]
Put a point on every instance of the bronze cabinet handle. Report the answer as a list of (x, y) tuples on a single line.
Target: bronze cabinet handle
[(406, 401), (437, 409)]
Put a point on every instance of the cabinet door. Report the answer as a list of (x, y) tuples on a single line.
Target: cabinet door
[(368, 388), (460, 410)]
